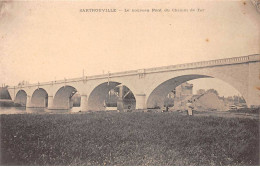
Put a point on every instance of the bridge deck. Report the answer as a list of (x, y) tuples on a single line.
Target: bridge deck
[(218, 62)]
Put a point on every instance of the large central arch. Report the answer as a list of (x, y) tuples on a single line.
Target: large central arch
[(39, 98), (157, 96), (62, 98), (99, 94), (21, 98)]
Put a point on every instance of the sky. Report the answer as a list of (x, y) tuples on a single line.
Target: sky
[(43, 41)]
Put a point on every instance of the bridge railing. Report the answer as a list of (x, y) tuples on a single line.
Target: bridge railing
[(85, 78), (226, 61)]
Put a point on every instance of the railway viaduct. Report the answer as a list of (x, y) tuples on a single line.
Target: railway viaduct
[(149, 86)]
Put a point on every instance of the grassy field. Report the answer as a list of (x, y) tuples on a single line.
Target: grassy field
[(128, 139)]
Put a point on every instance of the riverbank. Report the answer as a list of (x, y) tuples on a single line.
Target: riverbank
[(6, 103), (130, 138)]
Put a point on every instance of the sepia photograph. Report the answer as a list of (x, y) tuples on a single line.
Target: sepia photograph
[(129, 83)]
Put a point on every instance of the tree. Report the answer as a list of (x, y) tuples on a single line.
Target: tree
[(213, 91), (201, 91)]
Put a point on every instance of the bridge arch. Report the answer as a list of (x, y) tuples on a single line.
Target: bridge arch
[(158, 94), (99, 93), (62, 98), (39, 98), (21, 98)]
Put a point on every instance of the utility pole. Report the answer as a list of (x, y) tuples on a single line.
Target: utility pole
[(108, 78)]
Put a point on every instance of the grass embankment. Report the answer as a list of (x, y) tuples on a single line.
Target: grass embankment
[(128, 139)]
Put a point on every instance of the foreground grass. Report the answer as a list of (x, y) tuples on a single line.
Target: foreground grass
[(128, 139)]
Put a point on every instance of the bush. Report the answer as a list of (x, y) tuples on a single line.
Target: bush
[(247, 110)]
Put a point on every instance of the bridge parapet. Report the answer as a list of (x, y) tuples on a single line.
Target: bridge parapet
[(85, 78), (219, 62)]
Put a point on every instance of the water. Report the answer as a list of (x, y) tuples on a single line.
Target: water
[(23, 110), (12, 110)]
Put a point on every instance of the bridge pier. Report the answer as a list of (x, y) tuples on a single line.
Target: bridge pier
[(253, 98), (140, 101), (28, 102), (50, 102), (253, 88), (84, 103)]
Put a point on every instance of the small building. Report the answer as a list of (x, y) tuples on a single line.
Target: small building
[(182, 93)]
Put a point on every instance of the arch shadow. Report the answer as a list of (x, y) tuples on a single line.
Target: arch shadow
[(39, 98), (21, 98), (97, 97), (62, 98), (157, 96)]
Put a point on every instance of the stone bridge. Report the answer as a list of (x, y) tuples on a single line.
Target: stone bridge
[(149, 86)]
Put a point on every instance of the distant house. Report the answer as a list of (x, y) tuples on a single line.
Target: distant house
[(182, 94)]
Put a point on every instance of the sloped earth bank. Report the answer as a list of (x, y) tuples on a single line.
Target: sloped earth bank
[(132, 138)]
